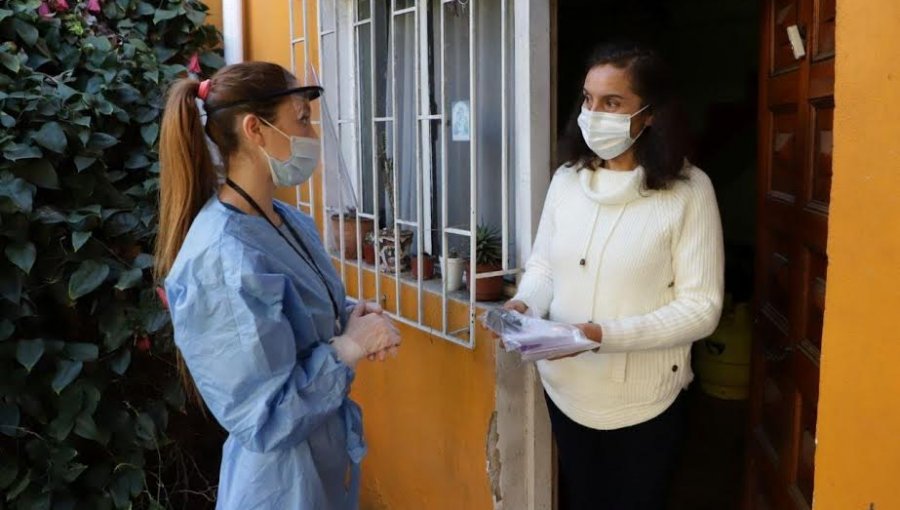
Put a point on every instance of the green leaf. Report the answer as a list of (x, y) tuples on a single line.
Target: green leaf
[(19, 487), (29, 352), (214, 60), (163, 15), (115, 326), (121, 361), (9, 420), (26, 31), (130, 278), (40, 173), (65, 92), (137, 160), (10, 62), (120, 223), (66, 372), (143, 261), (7, 328), (90, 275), (51, 136), (82, 162), (7, 120), (145, 428), (149, 133), (61, 427), (79, 238), (86, 427), (73, 471), (100, 44), (15, 194), (128, 483), (102, 141), (5, 13), (145, 9), (81, 351), (19, 151), (48, 215), (22, 255)]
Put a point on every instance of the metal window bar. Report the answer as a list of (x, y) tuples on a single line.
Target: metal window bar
[(294, 41), (418, 11)]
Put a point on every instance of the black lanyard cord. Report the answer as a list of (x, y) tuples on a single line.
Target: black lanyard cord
[(305, 255)]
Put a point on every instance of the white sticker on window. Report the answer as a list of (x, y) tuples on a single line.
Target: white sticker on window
[(460, 121)]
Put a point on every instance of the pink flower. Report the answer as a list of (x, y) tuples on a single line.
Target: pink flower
[(194, 64), (44, 11), (93, 6), (142, 343), (62, 5)]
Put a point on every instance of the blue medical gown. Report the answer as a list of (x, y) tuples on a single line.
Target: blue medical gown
[(252, 320)]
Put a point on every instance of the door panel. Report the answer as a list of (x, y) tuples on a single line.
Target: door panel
[(796, 119)]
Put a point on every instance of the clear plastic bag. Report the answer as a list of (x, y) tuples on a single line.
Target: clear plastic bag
[(535, 338)]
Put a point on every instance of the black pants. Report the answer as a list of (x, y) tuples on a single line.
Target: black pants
[(623, 469)]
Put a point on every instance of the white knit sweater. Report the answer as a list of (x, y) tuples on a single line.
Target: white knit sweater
[(652, 278)]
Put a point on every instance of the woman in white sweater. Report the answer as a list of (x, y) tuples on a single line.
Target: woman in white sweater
[(629, 248)]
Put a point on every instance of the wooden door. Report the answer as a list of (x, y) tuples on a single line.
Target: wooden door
[(795, 116)]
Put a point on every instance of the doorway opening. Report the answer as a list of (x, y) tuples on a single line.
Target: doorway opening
[(713, 48)]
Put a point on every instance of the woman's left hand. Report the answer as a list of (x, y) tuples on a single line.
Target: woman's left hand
[(592, 331)]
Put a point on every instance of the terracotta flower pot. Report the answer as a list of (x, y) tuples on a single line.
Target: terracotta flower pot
[(366, 226), (369, 253), (427, 267), (486, 289)]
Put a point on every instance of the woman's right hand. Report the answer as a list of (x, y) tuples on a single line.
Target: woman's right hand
[(516, 305), (366, 334)]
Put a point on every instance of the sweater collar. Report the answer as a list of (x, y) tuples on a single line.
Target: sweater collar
[(622, 192)]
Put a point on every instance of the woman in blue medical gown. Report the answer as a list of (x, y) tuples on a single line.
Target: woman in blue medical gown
[(260, 316)]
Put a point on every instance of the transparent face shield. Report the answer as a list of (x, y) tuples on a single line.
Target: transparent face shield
[(340, 190)]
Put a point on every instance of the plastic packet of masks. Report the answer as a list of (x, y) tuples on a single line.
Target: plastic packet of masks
[(535, 338)]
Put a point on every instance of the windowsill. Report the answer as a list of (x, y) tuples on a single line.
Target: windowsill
[(433, 286)]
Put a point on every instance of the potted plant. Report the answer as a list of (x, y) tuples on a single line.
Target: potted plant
[(393, 247), (452, 270), (366, 226), (427, 266), (488, 258), (369, 249), (394, 250)]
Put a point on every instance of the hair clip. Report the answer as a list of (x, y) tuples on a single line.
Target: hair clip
[(203, 92)]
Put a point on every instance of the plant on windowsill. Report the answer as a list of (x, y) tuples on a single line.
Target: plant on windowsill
[(393, 249), (427, 266), (488, 258), (366, 225)]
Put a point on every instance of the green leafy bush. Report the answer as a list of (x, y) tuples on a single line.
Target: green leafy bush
[(87, 381)]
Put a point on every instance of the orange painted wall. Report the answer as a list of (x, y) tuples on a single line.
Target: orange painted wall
[(214, 15), (858, 458), (427, 413)]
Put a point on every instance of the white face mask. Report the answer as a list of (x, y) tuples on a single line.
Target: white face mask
[(608, 134), (301, 164)]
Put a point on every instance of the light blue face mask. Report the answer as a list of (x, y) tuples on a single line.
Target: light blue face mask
[(301, 164)]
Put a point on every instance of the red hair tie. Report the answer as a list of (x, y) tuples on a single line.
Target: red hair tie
[(203, 92)]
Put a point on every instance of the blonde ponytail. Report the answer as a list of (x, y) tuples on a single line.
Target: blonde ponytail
[(187, 179)]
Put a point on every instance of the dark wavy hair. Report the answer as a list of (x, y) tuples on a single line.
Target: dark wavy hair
[(663, 146)]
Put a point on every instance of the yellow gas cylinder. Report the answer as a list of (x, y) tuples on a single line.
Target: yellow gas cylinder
[(722, 361)]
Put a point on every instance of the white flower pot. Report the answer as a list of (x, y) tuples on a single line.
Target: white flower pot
[(452, 271)]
